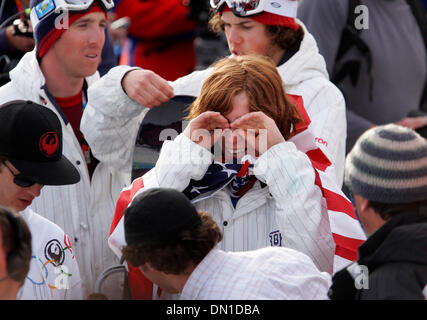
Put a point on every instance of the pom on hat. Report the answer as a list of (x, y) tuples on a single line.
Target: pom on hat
[(388, 164)]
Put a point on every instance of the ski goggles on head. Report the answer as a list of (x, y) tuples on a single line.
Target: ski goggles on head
[(247, 8), (47, 7), (80, 5)]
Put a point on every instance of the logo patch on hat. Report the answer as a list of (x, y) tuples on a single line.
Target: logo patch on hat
[(44, 8), (49, 144)]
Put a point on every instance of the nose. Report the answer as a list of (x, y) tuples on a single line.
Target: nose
[(35, 189), (97, 36), (233, 36)]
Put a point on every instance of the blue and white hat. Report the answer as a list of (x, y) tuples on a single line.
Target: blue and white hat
[(388, 164)]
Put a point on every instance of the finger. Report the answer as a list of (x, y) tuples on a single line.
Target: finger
[(248, 124), (162, 86), (149, 96), (420, 122), (212, 120), (254, 119)]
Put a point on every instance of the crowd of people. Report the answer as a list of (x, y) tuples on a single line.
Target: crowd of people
[(300, 172)]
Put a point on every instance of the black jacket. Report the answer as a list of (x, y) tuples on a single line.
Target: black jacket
[(395, 257)]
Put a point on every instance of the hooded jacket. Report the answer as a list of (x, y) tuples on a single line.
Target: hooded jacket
[(81, 208), (111, 119), (395, 257)]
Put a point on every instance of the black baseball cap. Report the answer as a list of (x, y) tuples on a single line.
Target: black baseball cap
[(158, 216), (31, 139)]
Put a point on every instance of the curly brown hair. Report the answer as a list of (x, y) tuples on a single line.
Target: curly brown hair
[(257, 76), (284, 37), (192, 247)]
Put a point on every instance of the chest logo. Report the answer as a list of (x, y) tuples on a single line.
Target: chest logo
[(53, 252), (275, 238)]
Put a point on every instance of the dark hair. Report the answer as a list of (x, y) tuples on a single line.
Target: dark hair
[(389, 210), (16, 239), (2, 159), (284, 37), (193, 246)]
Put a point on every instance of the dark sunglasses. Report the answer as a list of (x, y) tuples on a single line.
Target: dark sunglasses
[(19, 179)]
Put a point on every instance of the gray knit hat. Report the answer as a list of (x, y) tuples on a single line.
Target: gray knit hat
[(388, 164)]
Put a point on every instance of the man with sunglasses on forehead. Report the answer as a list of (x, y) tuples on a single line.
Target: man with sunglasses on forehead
[(69, 37), (267, 27), (31, 158)]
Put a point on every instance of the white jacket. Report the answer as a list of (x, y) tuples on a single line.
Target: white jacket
[(54, 273), (300, 208), (79, 209), (287, 213), (111, 119), (264, 274)]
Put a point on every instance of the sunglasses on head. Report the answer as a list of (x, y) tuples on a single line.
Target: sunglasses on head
[(19, 179)]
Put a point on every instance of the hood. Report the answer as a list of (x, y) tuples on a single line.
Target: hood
[(402, 240), (27, 75), (306, 64)]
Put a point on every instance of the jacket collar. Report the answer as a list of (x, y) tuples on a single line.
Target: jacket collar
[(369, 248), (30, 79)]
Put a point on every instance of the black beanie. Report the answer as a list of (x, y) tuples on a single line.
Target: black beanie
[(158, 216)]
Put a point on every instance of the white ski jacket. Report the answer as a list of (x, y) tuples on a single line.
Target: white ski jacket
[(83, 210)]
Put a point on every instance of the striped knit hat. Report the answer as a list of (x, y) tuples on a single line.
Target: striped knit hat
[(388, 164), (44, 15)]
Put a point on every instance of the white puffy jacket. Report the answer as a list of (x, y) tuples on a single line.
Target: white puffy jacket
[(111, 119), (83, 210)]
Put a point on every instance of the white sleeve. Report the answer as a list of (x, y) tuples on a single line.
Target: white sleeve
[(329, 127), (297, 278), (191, 84), (180, 161), (111, 120), (300, 212)]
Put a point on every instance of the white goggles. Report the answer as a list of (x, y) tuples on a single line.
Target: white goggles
[(46, 7), (246, 8)]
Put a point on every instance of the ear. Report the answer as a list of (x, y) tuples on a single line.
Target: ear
[(364, 204)]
